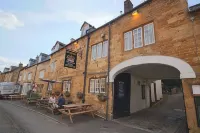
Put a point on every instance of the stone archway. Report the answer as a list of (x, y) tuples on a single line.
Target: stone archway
[(183, 67)]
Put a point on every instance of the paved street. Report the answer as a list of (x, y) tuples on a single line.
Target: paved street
[(167, 117), (16, 117)]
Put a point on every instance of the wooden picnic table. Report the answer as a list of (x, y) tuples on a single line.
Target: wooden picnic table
[(76, 109), (42, 103), (11, 97)]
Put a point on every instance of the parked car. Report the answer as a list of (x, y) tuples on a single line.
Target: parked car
[(9, 88)]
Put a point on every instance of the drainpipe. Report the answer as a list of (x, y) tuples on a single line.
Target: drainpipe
[(86, 65), (108, 83), (35, 73)]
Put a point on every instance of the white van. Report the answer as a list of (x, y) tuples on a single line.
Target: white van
[(9, 88)]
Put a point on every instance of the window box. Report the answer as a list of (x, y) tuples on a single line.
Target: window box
[(57, 93), (79, 95), (67, 94)]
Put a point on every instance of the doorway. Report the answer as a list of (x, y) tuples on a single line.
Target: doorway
[(122, 86)]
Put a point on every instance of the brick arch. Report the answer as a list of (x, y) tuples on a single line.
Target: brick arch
[(184, 68)]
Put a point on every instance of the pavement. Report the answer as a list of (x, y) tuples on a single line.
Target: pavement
[(167, 117), (16, 117)]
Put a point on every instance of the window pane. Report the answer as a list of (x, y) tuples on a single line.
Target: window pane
[(128, 41), (97, 86), (94, 52), (137, 37), (103, 85), (92, 85), (149, 36), (67, 86), (105, 49), (99, 50)]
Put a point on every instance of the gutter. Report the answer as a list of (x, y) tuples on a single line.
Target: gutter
[(86, 65), (108, 83)]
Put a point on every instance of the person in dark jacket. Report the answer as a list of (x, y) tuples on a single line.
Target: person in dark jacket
[(61, 101)]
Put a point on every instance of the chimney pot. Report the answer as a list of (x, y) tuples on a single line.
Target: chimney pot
[(128, 6)]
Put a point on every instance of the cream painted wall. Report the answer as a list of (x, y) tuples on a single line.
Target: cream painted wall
[(158, 90), (136, 101)]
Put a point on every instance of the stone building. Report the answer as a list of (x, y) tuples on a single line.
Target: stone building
[(11, 74), (34, 72), (156, 40)]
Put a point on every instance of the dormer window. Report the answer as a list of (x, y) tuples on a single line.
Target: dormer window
[(57, 46), (40, 58), (84, 28)]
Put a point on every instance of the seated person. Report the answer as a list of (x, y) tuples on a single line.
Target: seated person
[(61, 101), (52, 101), (52, 98)]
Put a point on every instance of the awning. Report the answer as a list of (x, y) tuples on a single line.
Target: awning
[(51, 81)]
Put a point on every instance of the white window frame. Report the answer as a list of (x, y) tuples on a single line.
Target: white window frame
[(98, 85), (40, 58), (99, 51), (135, 35), (103, 85), (105, 49), (41, 74), (67, 85), (92, 86), (94, 52), (128, 41), (29, 76), (50, 87), (149, 34)]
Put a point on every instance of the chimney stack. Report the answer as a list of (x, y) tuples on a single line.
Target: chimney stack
[(20, 65), (128, 6)]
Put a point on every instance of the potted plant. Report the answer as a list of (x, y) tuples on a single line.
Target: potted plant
[(79, 95), (102, 97), (49, 92), (57, 93), (67, 94)]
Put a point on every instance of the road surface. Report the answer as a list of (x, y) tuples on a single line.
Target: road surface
[(16, 117)]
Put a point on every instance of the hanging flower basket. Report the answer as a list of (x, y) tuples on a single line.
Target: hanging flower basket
[(67, 94), (79, 95), (57, 93), (102, 97), (49, 92)]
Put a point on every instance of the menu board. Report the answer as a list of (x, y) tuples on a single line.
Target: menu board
[(70, 59)]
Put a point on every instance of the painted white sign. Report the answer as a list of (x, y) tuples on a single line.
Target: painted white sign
[(196, 89)]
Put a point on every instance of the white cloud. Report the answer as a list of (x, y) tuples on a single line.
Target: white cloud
[(59, 11), (5, 62), (97, 18), (9, 20)]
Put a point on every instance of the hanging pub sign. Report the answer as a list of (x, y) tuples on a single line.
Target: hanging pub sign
[(70, 59)]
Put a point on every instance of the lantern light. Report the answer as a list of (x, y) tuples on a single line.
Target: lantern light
[(134, 13)]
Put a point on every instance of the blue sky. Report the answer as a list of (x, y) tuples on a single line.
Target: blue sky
[(28, 27)]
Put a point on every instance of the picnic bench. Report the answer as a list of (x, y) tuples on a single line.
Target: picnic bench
[(77, 109), (44, 103), (11, 97), (31, 100)]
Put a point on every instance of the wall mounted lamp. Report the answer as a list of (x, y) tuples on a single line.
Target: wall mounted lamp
[(134, 13)]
